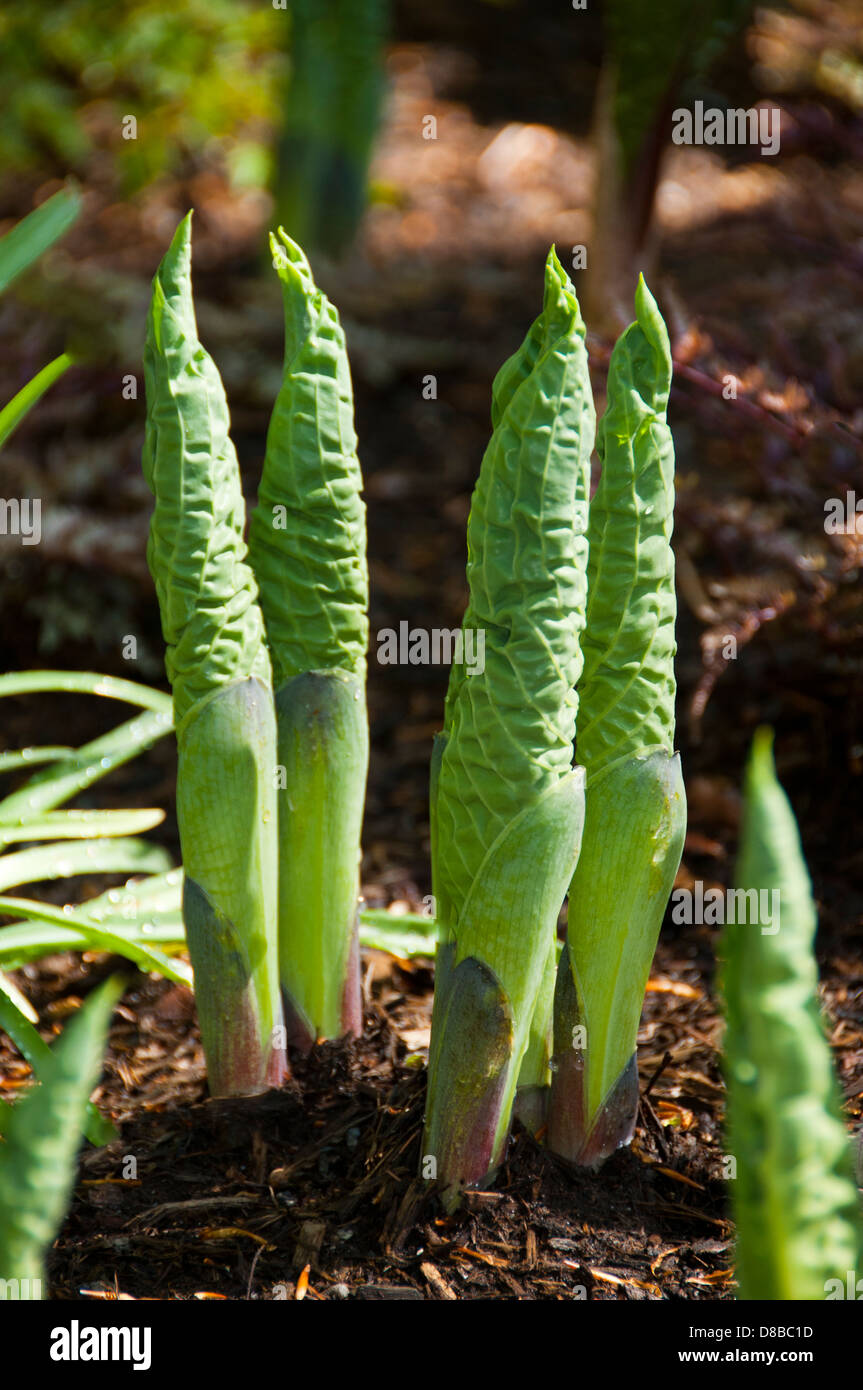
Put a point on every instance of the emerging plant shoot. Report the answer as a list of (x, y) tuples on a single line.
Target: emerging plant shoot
[(635, 808), (219, 671), (308, 548), (506, 803), (793, 1192)]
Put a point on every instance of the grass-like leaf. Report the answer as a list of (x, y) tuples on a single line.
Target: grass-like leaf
[(83, 766), (42, 1135), (81, 825), (64, 860), (24, 400), (41, 1058), (95, 937), (32, 236)]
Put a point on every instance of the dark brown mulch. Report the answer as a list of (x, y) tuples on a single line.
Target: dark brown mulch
[(312, 1191), (238, 1199)]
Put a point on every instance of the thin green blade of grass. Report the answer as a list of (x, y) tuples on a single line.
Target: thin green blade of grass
[(21, 944), (24, 400), (81, 825), (31, 757), (161, 893), (97, 937), (84, 683), (65, 860), (53, 785), (21, 1002), (33, 235), (42, 1136)]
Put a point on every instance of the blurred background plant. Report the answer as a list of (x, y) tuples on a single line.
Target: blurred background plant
[(190, 73), (203, 80)]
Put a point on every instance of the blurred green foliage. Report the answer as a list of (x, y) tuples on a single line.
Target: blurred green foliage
[(655, 54), (332, 115), (189, 72)]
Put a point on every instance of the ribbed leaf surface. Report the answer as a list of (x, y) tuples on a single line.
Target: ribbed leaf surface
[(510, 727), (308, 532), (628, 687), (793, 1194), (207, 593)]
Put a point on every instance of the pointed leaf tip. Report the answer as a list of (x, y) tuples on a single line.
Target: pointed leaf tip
[(172, 283), (651, 322)]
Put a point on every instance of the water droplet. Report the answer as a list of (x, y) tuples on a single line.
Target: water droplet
[(114, 895), (106, 762), (68, 909)]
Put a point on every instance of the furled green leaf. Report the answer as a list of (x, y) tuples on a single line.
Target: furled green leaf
[(509, 728), (219, 670), (207, 594), (331, 116), (307, 538), (42, 1135), (627, 688), (635, 807), (506, 804), (793, 1192), (308, 547)]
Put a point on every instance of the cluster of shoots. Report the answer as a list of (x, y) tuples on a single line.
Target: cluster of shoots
[(555, 771), (266, 652), (554, 776)]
